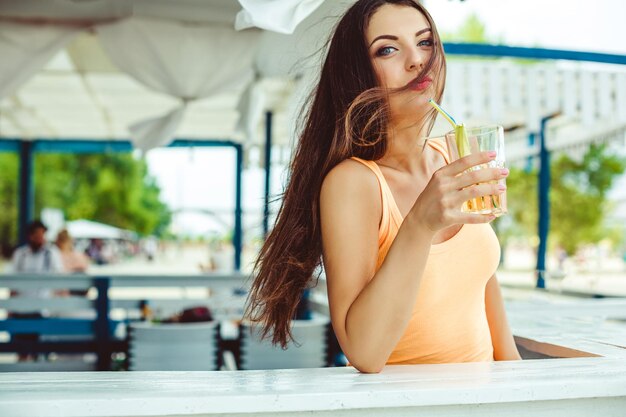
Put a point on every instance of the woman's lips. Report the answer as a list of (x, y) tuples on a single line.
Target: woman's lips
[(419, 85)]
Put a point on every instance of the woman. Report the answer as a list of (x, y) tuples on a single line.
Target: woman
[(73, 261), (411, 278)]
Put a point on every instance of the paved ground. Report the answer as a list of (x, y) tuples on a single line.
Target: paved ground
[(602, 283)]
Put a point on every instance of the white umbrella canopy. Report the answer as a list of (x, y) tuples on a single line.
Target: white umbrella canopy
[(87, 229), (85, 92)]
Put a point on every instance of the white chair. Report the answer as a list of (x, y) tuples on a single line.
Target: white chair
[(309, 351), (174, 346)]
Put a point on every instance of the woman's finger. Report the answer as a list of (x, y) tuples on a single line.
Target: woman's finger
[(473, 218), (480, 190), (461, 165), (484, 175)]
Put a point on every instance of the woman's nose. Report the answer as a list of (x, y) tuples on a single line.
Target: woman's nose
[(414, 60)]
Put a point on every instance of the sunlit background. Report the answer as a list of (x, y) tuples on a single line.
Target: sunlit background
[(183, 198)]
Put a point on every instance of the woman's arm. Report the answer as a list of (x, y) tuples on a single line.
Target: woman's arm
[(504, 348), (370, 309)]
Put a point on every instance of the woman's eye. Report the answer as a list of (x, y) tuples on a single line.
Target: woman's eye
[(384, 51), (426, 42)]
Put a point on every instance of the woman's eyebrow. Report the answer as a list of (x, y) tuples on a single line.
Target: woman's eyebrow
[(395, 38)]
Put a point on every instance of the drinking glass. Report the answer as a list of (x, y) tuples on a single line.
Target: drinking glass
[(466, 141)]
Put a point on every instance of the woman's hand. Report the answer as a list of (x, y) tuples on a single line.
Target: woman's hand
[(439, 205)]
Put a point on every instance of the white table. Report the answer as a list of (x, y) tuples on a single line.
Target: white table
[(568, 387), (581, 386)]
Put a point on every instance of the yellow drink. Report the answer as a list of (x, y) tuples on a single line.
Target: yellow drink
[(464, 141)]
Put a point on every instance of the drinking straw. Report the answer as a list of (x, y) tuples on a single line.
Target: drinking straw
[(442, 112), (460, 134)]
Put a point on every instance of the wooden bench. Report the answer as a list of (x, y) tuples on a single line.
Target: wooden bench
[(111, 304), (58, 329)]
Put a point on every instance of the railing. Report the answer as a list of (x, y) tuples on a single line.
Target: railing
[(591, 98), (96, 322)]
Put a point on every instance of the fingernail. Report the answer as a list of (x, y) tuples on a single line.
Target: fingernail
[(504, 171), (492, 154), (501, 187)]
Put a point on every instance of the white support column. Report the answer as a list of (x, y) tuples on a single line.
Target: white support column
[(551, 90), (513, 86), (587, 99), (477, 93), (533, 113), (621, 96), (496, 92), (570, 94), (607, 85)]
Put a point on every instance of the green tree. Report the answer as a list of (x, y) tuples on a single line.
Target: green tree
[(521, 197), (111, 188), (473, 30), (8, 198), (578, 203)]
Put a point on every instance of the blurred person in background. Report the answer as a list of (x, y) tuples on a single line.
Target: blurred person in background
[(36, 256), (95, 251), (73, 260)]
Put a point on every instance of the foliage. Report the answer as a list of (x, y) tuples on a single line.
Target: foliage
[(578, 203), (110, 188), (472, 30), (8, 200), (521, 195)]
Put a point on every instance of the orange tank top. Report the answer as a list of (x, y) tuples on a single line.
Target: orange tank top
[(449, 322)]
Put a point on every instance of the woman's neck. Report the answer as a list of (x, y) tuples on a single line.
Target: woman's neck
[(404, 149)]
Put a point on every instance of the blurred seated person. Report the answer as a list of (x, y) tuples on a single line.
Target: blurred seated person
[(73, 260), (35, 257), (95, 251)]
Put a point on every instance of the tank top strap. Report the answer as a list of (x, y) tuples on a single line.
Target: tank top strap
[(389, 206), (439, 144)]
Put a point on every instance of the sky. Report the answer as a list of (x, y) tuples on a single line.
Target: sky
[(596, 26), (204, 178)]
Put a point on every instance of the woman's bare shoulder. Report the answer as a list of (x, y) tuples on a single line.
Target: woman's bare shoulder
[(353, 174), (434, 156)]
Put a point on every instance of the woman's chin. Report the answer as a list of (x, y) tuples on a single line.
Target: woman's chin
[(422, 98)]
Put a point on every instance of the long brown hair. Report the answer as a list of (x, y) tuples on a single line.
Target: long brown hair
[(347, 116)]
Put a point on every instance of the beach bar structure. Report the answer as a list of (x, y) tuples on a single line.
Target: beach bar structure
[(118, 76), (92, 86)]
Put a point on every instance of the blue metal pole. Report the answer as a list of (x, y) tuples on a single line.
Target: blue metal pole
[(238, 232), (268, 164), (544, 202), (483, 50), (529, 160), (102, 324), (26, 203)]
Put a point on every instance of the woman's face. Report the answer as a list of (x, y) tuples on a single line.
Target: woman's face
[(400, 43)]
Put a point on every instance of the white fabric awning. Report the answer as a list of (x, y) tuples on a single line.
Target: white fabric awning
[(152, 71)]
